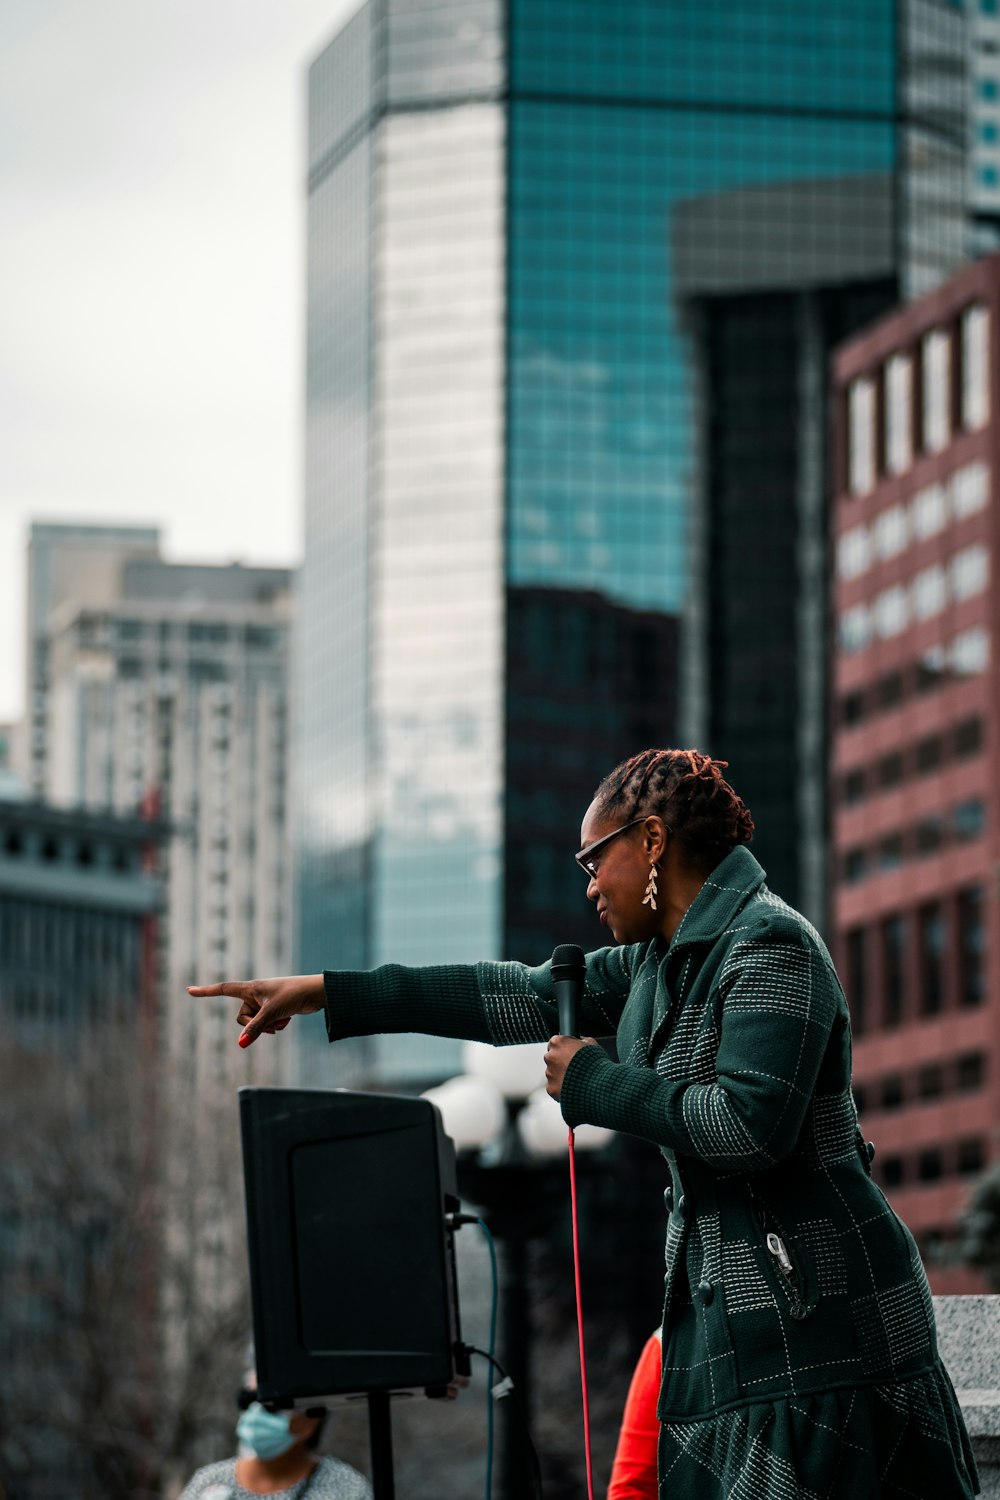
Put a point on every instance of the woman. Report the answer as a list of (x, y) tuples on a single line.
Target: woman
[(799, 1351)]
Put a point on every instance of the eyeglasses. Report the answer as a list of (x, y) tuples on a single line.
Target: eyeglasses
[(587, 858)]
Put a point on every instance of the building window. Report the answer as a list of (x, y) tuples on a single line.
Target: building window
[(969, 820), (861, 436), (854, 787), (928, 754), (857, 958), (899, 413), (971, 1158), (976, 364), (929, 512), (854, 552), (930, 1082), (891, 1094), (892, 531), (930, 1165), (987, 89), (970, 490), (987, 175), (936, 351), (929, 592), (931, 924), (968, 738), (971, 941), (893, 940), (854, 866), (892, 1171), (988, 133), (855, 628), (930, 835), (970, 652), (969, 1072), (890, 770), (969, 571), (892, 611), (852, 708), (889, 690), (890, 852)]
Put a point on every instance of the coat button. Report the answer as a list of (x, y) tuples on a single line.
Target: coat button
[(871, 1150), (668, 1199), (706, 1291), (682, 1206)]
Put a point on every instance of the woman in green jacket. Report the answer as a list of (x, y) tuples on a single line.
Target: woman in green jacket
[(799, 1351)]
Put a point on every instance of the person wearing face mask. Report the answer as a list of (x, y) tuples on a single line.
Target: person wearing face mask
[(277, 1457)]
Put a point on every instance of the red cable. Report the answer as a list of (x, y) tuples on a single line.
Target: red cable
[(579, 1316)]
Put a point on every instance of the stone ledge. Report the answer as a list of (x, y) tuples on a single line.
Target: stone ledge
[(969, 1341)]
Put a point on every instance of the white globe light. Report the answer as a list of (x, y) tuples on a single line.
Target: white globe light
[(544, 1132), (472, 1110), (515, 1071)]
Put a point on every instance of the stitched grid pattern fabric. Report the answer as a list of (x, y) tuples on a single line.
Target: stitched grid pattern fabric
[(900, 1442)]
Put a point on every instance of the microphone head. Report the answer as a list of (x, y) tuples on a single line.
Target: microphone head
[(569, 962)]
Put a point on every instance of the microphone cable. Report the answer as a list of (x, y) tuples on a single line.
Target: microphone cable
[(579, 1313)]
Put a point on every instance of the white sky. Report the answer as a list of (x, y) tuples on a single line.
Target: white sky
[(152, 214)]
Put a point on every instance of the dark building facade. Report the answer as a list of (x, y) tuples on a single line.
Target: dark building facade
[(80, 902), (534, 230)]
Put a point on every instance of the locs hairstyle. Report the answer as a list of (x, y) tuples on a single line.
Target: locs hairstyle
[(690, 793)]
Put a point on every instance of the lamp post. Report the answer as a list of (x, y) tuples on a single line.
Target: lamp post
[(512, 1160)]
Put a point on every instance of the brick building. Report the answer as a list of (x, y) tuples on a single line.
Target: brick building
[(916, 804)]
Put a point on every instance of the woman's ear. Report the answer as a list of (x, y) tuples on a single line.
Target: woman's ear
[(655, 838)]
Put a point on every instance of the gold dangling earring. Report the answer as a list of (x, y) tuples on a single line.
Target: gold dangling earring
[(650, 896)]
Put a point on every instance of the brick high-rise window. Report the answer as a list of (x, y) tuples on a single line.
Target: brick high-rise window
[(932, 935), (971, 944), (936, 415), (861, 436), (975, 367), (893, 932)]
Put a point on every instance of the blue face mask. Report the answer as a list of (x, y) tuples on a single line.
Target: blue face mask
[(265, 1432)]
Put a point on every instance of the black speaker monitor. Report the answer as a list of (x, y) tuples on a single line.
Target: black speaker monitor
[(352, 1274)]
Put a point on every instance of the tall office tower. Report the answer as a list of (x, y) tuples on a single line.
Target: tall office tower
[(512, 210), (917, 795)]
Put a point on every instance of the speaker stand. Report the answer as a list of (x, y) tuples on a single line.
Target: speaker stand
[(380, 1433)]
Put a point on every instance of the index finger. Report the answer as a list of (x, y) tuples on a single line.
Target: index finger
[(234, 989)]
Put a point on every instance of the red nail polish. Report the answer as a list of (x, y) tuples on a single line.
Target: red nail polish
[(245, 1039)]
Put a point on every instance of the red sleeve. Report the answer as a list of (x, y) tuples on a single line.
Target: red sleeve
[(633, 1474)]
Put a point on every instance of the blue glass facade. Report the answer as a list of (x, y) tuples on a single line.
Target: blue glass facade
[(545, 215)]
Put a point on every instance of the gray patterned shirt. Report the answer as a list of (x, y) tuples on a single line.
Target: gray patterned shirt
[(334, 1480)]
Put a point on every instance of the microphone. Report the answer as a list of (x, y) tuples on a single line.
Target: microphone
[(569, 969)]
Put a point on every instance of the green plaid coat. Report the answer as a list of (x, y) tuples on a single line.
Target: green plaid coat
[(800, 1357)]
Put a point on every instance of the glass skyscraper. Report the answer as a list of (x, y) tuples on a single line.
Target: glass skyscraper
[(542, 234)]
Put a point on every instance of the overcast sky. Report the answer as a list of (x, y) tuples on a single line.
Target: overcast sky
[(152, 161)]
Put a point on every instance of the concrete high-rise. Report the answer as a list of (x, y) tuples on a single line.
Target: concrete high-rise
[(515, 213), (166, 685)]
